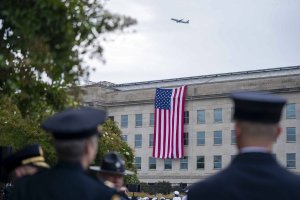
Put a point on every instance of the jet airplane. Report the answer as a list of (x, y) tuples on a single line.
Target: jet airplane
[(180, 21)]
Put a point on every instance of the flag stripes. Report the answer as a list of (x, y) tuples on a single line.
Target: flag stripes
[(168, 123)]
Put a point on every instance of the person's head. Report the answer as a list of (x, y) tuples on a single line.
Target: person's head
[(25, 162), (112, 169), (257, 118), (176, 193), (75, 133)]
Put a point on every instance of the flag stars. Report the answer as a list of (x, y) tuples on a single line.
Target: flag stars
[(163, 98)]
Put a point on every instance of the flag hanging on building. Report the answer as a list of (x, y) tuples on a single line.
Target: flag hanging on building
[(168, 123)]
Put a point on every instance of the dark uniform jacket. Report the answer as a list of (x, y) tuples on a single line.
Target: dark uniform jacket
[(250, 176), (66, 181)]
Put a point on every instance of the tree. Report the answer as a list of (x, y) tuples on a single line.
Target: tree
[(41, 49), (17, 131), (111, 141), (42, 44)]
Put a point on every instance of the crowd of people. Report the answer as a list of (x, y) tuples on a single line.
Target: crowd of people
[(253, 174)]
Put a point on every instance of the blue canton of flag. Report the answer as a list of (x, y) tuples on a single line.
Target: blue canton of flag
[(163, 98)]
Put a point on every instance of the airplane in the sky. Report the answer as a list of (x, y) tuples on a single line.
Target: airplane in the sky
[(180, 21)]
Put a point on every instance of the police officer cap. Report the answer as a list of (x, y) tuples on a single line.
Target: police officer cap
[(29, 155), (112, 163), (257, 107), (75, 123)]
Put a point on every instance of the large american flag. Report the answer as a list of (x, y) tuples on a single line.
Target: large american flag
[(168, 123)]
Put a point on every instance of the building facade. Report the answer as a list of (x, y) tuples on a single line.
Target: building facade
[(209, 135)]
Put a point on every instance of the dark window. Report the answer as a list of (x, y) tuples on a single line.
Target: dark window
[(112, 118), (124, 138), (184, 163), (186, 139), (291, 160), (152, 163), (168, 163), (200, 162), (186, 117), (138, 162)]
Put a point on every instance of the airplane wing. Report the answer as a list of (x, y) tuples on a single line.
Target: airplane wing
[(176, 20)]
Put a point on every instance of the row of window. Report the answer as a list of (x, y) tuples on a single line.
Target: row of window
[(200, 162), (201, 116), (200, 138)]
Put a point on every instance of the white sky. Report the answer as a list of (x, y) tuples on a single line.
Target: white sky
[(223, 36)]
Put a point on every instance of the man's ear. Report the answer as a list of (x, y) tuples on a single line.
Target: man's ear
[(278, 132), (237, 128)]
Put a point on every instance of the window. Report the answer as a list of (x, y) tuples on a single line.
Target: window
[(151, 138), (138, 120), (138, 140), (217, 162), (291, 160), (200, 138), (124, 121), (138, 162), (218, 115), (291, 134), (151, 122), (124, 138), (184, 163), (168, 163), (112, 118), (217, 137), (291, 111), (186, 117), (200, 162), (233, 137), (186, 138), (200, 116), (152, 163)]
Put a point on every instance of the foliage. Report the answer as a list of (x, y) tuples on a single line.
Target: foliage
[(41, 49), (111, 141), (159, 187), (17, 131)]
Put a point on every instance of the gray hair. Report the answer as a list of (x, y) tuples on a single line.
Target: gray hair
[(69, 150), (253, 129)]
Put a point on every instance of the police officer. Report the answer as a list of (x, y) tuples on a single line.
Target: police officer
[(76, 141), (112, 171), (25, 162), (254, 173)]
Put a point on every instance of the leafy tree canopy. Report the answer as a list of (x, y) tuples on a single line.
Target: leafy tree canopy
[(42, 45)]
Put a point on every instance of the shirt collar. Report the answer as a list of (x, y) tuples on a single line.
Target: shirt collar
[(252, 149)]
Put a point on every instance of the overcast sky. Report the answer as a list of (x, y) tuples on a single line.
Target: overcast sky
[(222, 36)]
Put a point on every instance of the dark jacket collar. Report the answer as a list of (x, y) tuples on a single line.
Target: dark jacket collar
[(69, 165), (255, 158)]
